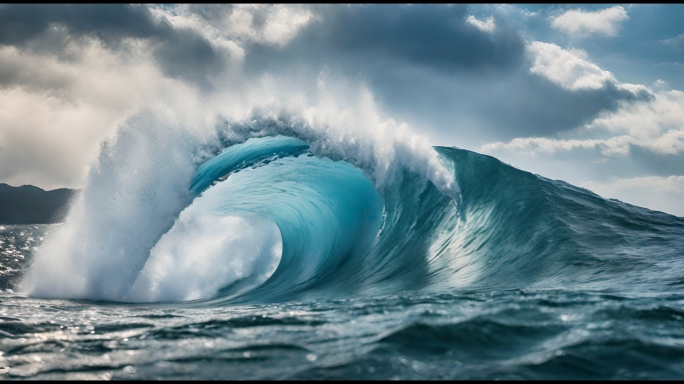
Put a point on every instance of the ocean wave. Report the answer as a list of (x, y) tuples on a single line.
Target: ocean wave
[(279, 212)]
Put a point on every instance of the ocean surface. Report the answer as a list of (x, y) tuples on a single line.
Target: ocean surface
[(279, 258)]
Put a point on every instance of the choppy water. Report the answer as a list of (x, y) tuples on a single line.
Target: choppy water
[(295, 266)]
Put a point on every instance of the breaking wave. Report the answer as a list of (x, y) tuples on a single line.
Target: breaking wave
[(274, 209)]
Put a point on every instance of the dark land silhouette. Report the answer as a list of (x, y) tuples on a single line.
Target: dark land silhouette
[(32, 205)]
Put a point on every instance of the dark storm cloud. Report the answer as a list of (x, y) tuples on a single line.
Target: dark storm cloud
[(428, 60), (495, 107), (537, 107), (187, 55), (424, 59), (648, 162), (20, 23), (181, 52), (433, 36)]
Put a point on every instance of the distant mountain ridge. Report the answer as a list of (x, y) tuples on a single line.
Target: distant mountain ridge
[(32, 205)]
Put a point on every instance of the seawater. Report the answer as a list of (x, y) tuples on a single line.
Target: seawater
[(281, 263)]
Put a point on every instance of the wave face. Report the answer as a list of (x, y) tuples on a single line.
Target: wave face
[(326, 213), (523, 230)]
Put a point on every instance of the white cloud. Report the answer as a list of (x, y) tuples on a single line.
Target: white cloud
[(653, 192), (657, 125), (284, 23), (55, 113), (568, 68), (228, 27), (668, 184), (618, 145), (487, 25), (218, 38), (572, 70), (675, 43), (581, 23)]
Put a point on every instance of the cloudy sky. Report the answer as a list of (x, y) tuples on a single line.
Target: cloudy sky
[(589, 94)]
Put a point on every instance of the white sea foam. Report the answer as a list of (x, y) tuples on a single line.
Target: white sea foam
[(203, 253)]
